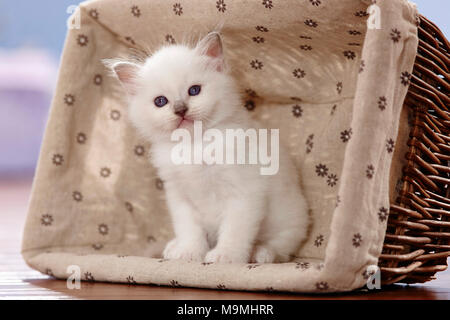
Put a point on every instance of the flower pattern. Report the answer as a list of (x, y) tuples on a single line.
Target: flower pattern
[(69, 99), (103, 229), (362, 65), (98, 79), (82, 40), (349, 54), (370, 171), (170, 39), (221, 6), (322, 285), (267, 4), (361, 14), (139, 150), (135, 11), (174, 283), (338, 201), (311, 23), (262, 29), (306, 47), (89, 277), (221, 286), (105, 172), (94, 13), (309, 143), (47, 220), (346, 135), (383, 214), (258, 39), (131, 280), (77, 196), (297, 111), (115, 115), (357, 240), (339, 87), (382, 103), (332, 180), (315, 2), (405, 78), (57, 159), (159, 184), (256, 64), (81, 138), (354, 32), (390, 145), (321, 170), (178, 9), (299, 73), (395, 35), (302, 265), (319, 240)]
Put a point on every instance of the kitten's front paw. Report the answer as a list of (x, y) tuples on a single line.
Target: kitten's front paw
[(191, 251), (263, 255), (226, 256)]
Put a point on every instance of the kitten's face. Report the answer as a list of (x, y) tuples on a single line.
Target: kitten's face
[(179, 85)]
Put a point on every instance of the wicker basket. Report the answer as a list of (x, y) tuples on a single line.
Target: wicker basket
[(417, 241)]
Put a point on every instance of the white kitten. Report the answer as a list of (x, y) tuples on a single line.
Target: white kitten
[(220, 213)]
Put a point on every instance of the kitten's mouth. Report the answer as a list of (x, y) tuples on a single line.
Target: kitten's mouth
[(184, 122)]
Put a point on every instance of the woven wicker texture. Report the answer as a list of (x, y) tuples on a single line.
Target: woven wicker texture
[(417, 241)]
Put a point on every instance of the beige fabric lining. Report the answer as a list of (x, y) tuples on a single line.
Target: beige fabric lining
[(97, 203)]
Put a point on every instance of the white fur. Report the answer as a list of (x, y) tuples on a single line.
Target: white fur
[(220, 213)]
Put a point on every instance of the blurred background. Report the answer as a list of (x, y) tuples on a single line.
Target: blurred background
[(31, 39)]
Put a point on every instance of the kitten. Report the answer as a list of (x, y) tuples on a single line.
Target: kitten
[(220, 213)]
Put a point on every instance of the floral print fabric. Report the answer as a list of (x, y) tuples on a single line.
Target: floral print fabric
[(313, 69)]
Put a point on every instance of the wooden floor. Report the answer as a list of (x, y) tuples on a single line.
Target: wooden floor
[(17, 281)]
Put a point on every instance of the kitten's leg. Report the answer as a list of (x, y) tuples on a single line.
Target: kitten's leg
[(284, 229), (280, 248), (263, 254), (237, 233), (190, 241)]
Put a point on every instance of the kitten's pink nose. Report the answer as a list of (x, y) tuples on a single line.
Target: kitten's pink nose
[(180, 108)]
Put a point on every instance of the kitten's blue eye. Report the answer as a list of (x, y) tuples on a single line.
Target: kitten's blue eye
[(194, 90), (161, 101)]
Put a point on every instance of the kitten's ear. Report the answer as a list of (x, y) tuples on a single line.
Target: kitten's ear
[(211, 46), (125, 71)]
